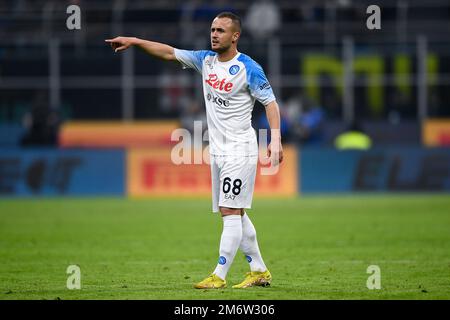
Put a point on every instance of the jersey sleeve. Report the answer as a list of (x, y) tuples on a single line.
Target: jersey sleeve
[(191, 59), (258, 84)]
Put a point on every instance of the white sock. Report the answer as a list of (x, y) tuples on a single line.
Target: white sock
[(249, 245), (229, 244)]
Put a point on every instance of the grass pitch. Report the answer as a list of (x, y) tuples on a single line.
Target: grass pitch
[(315, 247)]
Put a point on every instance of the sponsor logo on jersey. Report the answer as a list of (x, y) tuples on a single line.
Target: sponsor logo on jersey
[(222, 260), (234, 69), (265, 85), (217, 100), (219, 84)]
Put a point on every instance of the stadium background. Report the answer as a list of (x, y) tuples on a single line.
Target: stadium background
[(78, 120)]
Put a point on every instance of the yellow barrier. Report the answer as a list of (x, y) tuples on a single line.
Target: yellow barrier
[(436, 132), (117, 134), (152, 173)]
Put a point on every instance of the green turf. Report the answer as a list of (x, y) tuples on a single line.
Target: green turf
[(315, 247)]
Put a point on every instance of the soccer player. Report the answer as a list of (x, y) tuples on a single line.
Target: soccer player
[(231, 83)]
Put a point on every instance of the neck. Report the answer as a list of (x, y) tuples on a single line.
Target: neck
[(227, 55)]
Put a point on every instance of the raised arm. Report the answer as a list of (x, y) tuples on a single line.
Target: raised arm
[(275, 149), (156, 49)]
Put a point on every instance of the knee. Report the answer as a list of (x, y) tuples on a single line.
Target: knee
[(230, 211)]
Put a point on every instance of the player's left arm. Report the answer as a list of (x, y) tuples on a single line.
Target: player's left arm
[(275, 149)]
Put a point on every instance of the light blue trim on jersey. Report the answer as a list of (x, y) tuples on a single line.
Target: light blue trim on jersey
[(193, 59), (257, 81)]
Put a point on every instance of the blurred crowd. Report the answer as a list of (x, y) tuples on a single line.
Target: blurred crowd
[(184, 23)]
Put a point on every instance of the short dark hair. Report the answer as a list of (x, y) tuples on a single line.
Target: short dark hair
[(234, 18)]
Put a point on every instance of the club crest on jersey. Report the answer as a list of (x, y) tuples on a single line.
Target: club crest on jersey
[(234, 69), (219, 84), (222, 260)]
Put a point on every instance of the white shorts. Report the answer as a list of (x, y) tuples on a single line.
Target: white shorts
[(233, 181)]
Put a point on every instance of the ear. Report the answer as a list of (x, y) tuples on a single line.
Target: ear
[(235, 37)]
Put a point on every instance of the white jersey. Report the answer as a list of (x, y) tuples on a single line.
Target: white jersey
[(230, 89)]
